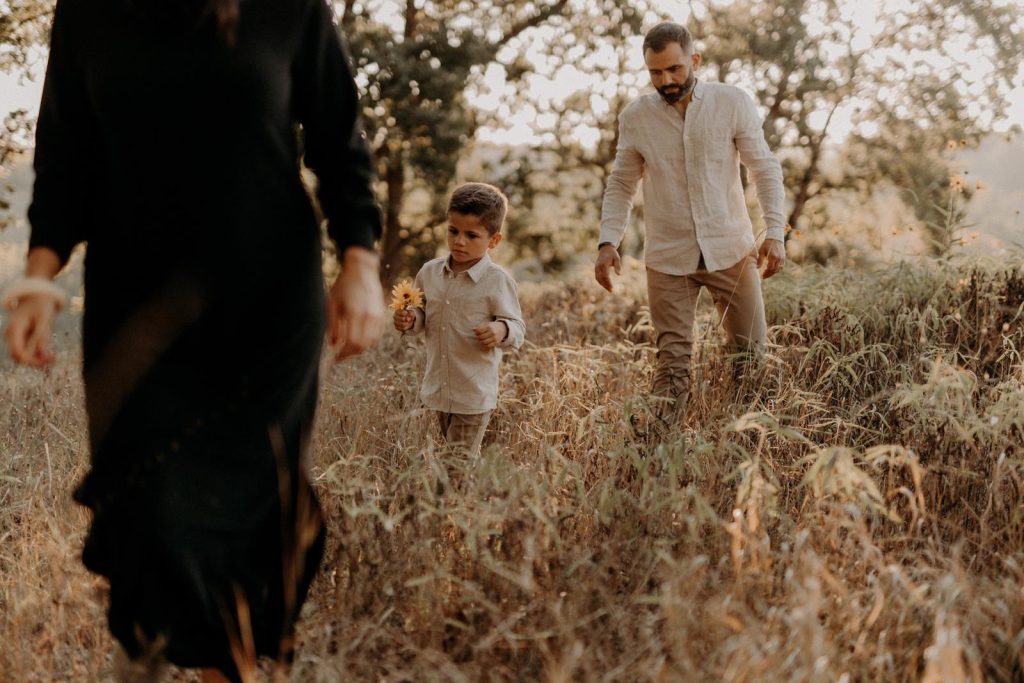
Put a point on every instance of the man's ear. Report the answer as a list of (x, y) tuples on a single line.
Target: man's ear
[(696, 60), (495, 240)]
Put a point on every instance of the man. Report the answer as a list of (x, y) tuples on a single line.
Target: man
[(686, 140)]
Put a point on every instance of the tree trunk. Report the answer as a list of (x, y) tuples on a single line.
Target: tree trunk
[(391, 240), (803, 192), (811, 173)]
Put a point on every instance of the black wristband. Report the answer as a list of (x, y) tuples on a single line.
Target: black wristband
[(602, 244)]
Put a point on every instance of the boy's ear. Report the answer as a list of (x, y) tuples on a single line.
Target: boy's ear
[(495, 240)]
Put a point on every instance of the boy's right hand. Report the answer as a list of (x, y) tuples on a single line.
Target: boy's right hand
[(404, 320)]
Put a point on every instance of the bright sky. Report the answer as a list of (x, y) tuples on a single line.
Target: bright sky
[(18, 92)]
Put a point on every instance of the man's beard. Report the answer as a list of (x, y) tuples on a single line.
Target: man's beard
[(675, 92)]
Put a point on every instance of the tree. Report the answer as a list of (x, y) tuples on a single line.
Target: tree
[(23, 27), (415, 73), (916, 75), (911, 78)]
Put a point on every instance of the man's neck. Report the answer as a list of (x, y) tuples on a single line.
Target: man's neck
[(682, 104)]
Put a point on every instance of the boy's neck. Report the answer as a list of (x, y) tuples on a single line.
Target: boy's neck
[(462, 267)]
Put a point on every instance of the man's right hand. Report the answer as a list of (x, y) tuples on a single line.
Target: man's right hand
[(607, 259)]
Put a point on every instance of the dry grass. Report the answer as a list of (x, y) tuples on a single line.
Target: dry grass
[(850, 510)]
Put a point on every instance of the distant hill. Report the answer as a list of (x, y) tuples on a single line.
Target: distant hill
[(999, 208)]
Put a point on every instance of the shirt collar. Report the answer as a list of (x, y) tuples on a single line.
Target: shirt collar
[(698, 90), (478, 269)]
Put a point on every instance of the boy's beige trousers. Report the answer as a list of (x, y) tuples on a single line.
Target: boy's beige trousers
[(466, 431)]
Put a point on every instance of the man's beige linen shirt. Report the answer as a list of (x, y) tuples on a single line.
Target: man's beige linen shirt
[(693, 196), (461, 375)]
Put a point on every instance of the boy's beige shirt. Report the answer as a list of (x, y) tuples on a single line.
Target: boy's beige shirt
[(693, 196), (461, 375)]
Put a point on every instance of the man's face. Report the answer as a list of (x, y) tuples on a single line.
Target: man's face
[(673, 72)]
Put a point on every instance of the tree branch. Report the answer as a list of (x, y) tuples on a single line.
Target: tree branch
[(555, 9), (348, 13), (410, 19)]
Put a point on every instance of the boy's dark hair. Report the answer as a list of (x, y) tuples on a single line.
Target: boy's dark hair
[(665, 33), (484, 201)]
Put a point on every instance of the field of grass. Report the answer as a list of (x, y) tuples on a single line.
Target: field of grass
[(850, 510)]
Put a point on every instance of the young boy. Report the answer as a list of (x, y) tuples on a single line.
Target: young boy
[(470, 314)]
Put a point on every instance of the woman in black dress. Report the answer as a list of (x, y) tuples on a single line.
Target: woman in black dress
[(169, 140)]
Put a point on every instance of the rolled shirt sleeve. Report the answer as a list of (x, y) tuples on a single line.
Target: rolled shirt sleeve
[(508, 311), (627, 171), (763, 167)]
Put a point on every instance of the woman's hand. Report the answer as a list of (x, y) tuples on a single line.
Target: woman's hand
[(30, 324), (28, 331), (355, 306)]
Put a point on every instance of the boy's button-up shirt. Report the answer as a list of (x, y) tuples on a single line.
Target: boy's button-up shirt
[(693, 195), (461, 374)]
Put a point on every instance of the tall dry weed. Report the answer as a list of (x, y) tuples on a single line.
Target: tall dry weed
[(849, 509)]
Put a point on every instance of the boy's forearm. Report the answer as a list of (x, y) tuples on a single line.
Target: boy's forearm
[(516, 333), (419, 316)]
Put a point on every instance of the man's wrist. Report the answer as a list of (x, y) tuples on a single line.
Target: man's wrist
[(602, 245)]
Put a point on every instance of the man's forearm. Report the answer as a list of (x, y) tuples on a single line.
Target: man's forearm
[(617, 206), (615, 211), (767, 178)]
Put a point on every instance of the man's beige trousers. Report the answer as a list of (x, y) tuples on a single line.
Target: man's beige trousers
[(736, 292)]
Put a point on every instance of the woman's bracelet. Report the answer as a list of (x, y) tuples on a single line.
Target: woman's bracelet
[(32, 286)]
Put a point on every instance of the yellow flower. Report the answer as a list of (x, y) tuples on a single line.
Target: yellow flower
[(404, 295), (951, 145), (957, 183), (980, 185)]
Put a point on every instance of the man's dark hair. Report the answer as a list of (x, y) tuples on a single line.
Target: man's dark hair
[(666, 33), (484, 201)]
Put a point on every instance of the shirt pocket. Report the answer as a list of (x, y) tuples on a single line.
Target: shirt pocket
[(667, 155), (716, 144), (471, 312)]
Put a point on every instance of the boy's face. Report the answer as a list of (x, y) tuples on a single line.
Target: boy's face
[(468, 239)]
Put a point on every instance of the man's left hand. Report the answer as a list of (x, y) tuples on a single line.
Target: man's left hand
[(772, 256)]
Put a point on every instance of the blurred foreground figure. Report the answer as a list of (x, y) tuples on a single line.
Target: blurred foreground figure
[(168, 140)]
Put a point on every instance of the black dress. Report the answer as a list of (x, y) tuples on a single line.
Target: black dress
[(175, 154)]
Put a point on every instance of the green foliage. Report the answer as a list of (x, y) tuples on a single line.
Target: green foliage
[(24, 26)]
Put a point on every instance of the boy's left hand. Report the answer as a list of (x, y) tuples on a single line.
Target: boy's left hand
[(491, 334)]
